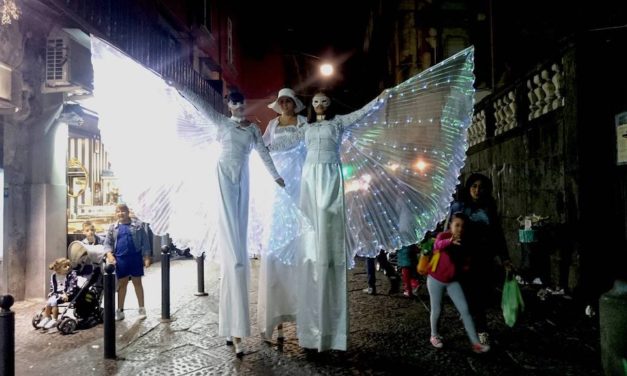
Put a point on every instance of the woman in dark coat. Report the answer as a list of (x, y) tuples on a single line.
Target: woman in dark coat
[(484, 241)]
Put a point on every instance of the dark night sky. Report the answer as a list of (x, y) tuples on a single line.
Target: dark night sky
[(324, 24), (526, 32), (322, 28)]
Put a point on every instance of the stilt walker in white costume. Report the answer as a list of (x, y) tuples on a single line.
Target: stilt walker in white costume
[(398, 156), (237, 139), (277, 291)]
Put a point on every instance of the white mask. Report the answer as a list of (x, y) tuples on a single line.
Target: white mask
[(235, 106), (321, 100)]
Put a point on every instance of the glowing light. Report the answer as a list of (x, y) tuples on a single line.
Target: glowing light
[(421, 165), (326, 69), (348, 171), (363, 184)]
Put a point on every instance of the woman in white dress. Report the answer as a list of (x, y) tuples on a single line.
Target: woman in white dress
[(322, 314), (276, 302), (238, 138)]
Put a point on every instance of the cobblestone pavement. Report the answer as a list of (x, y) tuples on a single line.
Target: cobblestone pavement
[(389, 335)]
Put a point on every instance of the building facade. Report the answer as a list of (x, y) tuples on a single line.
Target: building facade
[(55, 170), (546, 128)]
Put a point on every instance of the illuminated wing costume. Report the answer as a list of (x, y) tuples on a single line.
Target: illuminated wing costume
[(402, 159), (166, 148), (401, 156)]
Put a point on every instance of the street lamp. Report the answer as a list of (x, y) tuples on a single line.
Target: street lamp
[(313, 71), (326, 69)]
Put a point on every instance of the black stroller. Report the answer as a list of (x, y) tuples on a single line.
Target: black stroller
[(84, 310)]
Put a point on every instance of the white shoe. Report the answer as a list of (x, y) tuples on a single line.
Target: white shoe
[(50, 324), (119, 315), (43, 322), (142, 313), (370, 291)]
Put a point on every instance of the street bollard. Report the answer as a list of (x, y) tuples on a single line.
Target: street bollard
[(200, 263), (109, 312), (165, 283), (7, 336)]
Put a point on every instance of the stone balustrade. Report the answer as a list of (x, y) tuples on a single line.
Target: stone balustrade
[(477, 130), (545, 91), (519, 103)]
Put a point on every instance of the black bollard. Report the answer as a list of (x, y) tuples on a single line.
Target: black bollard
[(7, 336), (109, 312), (200, 263), (165, 283)]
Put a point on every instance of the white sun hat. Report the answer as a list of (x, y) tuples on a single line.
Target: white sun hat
[(289, 93)]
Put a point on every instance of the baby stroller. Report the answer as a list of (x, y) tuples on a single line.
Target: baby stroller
[(84, 310)]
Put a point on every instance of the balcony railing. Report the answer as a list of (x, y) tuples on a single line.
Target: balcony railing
[(143, 35)]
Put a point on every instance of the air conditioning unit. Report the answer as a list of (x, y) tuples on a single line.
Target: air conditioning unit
[(68, 63)]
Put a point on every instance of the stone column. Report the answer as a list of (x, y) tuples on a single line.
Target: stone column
[(15, 165), (47, 218), (35, 148)]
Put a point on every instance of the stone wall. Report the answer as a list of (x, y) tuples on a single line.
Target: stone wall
[(15, 164), (34, 194), (532, 160)]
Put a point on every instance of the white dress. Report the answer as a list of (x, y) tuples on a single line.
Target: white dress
[(233, 181), (277, 292), (322, 314)]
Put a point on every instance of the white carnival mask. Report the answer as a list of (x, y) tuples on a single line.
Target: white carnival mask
[(235, 106), (321, 100)]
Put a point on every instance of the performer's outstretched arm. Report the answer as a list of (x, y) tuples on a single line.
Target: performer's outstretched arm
[(351, 119), (265, 155)]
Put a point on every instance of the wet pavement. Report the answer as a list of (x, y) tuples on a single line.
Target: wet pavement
[(388, 335)]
